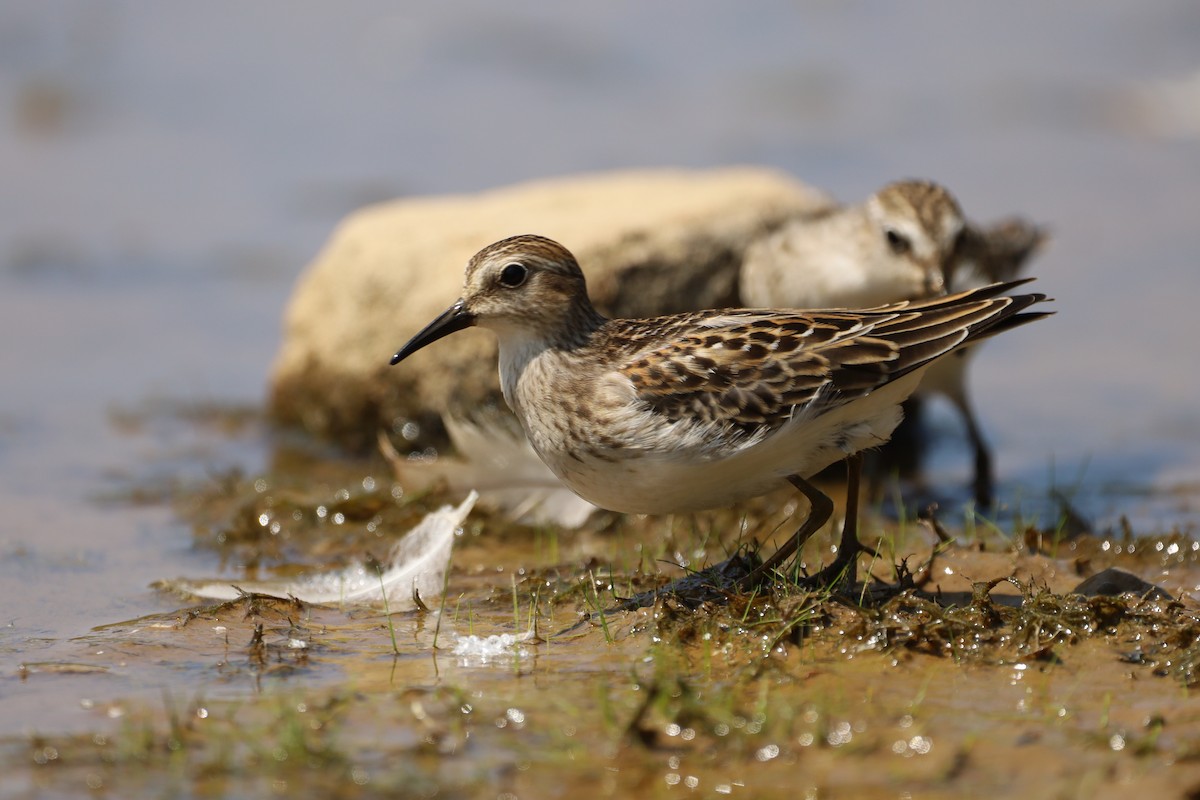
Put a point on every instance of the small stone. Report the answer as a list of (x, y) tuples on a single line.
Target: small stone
[(650, 242), (1113, 581)]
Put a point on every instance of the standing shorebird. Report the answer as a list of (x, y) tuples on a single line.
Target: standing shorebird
[(704, 409), (908, 241)]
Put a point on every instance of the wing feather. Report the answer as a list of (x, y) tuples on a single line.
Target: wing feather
[(752, 370)]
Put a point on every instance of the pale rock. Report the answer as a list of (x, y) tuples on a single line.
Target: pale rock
[(650, 242)]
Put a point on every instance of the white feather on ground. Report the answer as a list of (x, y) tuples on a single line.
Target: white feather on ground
[(416, 566), (496, 460)]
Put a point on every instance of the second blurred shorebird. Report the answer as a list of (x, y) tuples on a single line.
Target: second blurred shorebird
[(910, 240), (704, 409)]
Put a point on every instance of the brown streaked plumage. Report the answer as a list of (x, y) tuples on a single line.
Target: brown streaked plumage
[(702, 409)]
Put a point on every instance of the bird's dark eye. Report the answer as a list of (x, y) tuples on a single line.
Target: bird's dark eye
[(898, 242), (514, 275)]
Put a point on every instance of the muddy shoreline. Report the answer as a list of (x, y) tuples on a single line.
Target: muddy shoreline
[(938, 691)]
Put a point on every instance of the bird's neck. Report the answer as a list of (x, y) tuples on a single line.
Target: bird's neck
[(523, 348), (524, 344)]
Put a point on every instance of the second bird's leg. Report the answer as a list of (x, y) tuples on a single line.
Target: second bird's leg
[(984, 482)]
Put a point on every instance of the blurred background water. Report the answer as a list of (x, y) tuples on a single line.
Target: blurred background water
[(166, 171)]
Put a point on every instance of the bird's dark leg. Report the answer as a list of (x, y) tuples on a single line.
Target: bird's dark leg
[(984, 482), (699, 586), (821, 507), (845, 567)]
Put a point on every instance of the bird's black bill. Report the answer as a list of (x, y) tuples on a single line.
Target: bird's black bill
[(454, 318)]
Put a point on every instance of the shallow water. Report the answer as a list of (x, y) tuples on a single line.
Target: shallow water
[(159, 199)]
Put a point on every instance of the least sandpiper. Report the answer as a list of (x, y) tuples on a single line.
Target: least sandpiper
[(909, 240), (703, 409)]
